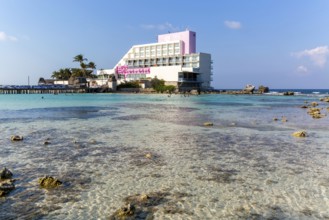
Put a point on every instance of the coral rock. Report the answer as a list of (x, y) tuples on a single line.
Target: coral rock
[(299, 134), (49, 182)]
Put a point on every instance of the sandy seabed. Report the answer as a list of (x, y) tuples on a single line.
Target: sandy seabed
[(246, 166)]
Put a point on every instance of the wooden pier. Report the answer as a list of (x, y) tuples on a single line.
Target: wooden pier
[(41, 91)]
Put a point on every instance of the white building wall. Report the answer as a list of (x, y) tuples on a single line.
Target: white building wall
[(61, 82), (205, 69), (105, 71), (167, 73)]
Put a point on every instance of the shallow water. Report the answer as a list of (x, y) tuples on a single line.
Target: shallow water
[(246, 166)]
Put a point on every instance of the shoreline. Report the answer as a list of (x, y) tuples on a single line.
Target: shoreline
[(285, 92)]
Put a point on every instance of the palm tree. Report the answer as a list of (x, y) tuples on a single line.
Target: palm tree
[(84, 72), (91, 65), (62, 74), (79, 58)]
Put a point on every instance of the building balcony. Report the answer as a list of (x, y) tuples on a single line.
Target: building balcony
[(190, 69), (187, 80)]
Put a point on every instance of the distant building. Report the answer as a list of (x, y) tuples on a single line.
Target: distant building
[(43, 81), (173, 58)]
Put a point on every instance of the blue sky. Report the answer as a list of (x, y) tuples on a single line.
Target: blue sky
[(277, 43)]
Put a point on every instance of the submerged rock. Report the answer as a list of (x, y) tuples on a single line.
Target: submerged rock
[(126, 212), (5, 174), (208, 124), (299, 134), (144, 197), (325, 99), (148, 155), (16, 138), (315, 113), (6, 186), (314, 104), (49, 182)]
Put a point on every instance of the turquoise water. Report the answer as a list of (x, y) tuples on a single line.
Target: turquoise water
[(246, 166)]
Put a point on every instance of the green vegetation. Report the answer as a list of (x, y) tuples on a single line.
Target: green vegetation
[(85, 70), (130, 84), (159, 86)]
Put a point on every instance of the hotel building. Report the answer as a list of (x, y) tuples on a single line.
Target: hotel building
[(173, 58)]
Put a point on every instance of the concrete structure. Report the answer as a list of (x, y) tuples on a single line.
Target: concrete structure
[(173, 58)]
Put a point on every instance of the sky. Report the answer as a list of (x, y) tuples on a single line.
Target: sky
[(275, 43)]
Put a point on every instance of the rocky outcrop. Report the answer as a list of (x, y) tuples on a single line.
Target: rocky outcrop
[(5, 174), (263, 89), (194, 92), (299, 134), (249, 88), (289, 93), (49, 182), (6, 186), (6, 183)]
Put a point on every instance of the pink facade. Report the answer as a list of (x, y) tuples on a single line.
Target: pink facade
[(188, 38), (125, 70)]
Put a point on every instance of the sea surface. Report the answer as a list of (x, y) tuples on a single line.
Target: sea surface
[(154, 152)]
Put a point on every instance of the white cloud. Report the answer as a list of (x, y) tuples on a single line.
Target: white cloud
[(5, 37), (317, 55), (161, 27), (233, 24), (302, 69)]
